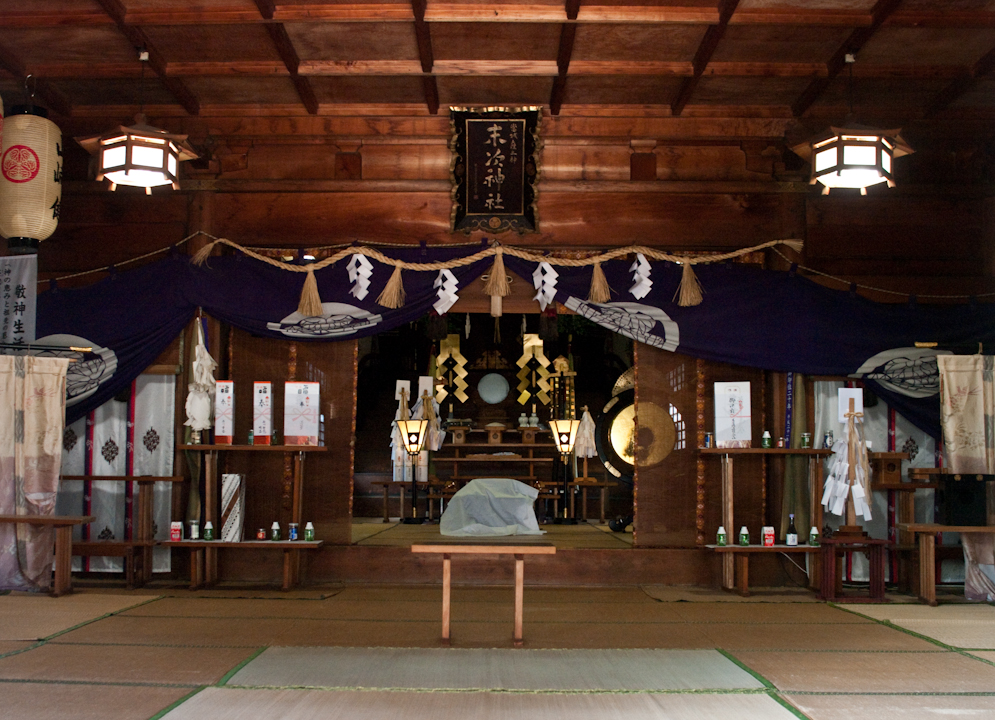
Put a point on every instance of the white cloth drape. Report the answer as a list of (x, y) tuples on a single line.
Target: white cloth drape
[(32, 417), (967, 414), (491, 507)]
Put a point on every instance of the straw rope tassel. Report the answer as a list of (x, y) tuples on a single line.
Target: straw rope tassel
[(393, 293), (310, 305), (200, 257), (601, 291), (689, 291), (497, 285)]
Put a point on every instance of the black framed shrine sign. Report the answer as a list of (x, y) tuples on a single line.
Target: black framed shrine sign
[(495, 168)]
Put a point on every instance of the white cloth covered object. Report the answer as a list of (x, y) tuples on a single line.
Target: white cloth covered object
[(491, 507)]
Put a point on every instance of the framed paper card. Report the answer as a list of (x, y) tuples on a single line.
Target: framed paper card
[(300, 413), (262, 413), (224, 412), (732, 415), (495, 169)]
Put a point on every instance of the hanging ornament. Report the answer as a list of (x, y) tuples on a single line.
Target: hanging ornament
[(360, 270), (641, 283), (466, 329), (447, 285), (30, 178), (544, 281)]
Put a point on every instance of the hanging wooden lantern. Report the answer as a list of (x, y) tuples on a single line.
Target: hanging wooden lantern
[(139, 155), (30, 178)]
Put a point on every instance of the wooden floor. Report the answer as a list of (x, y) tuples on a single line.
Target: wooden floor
[(115, 655)]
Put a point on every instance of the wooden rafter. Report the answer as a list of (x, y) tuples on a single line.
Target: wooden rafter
[(962, 85), (137, 37), (704, 54), (568, 32), (858, 38), (423, 36), (52, 97), (288, 53)]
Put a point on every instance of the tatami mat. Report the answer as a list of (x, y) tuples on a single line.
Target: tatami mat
[(669, 593), (766, 613), (871, 672), (986, 655), (541, 595), (524, 670), (12, 646), (976, 634), (232, 704), (581, 535), (906, 707), (123, 664), (801, 636), (61, 701), (963, 611), (28, 616)]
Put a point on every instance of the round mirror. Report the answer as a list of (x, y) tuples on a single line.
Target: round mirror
[(493, 388)]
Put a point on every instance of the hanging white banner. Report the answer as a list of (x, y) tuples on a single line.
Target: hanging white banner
[(19, 293)]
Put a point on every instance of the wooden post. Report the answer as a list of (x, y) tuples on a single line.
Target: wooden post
[(447, 574), (519, 598), (728, 568)]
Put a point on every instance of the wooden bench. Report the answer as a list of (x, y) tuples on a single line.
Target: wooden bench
[(742, 554), (519, 551), (137, 552), (63, 525), (204, 557), (927, 533)]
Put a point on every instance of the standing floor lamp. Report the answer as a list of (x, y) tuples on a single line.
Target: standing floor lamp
[(413, 434)]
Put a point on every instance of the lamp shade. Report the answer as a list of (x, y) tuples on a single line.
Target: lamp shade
[(413, 434), (853, 157), (30, 178), (564, 434), (139, 155)]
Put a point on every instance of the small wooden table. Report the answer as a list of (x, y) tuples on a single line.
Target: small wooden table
[(831, 549), (519, 551), (204, 568), (742, 554), (927, 552), (584, 484), (63, 525)]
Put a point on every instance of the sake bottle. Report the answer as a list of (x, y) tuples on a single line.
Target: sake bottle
[(792, 537)]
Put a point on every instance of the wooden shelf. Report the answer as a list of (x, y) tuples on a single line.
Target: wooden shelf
[(766, 451), (257, 448)]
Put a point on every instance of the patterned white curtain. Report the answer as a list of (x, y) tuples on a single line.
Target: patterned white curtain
[(967, 414), (133, 435), (32, 416)]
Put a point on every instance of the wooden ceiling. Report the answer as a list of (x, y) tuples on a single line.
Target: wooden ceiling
[(917, 60)]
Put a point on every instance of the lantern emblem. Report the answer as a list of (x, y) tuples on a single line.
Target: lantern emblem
[(20, 164)]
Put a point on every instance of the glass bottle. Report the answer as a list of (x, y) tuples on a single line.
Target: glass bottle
[(792, 536)]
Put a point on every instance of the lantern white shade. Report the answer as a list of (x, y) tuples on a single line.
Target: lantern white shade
[(412, 434), (30, 180), (564, 434), (853, 157), (140, 155)]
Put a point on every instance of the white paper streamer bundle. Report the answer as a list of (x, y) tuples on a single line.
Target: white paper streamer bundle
[(360, 271), (544, 280), (641, 283), (447, 285), (849, 458)]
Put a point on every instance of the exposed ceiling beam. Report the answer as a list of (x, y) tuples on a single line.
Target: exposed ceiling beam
[(288, 53), (704, 54), (568, 32), (135, 35), (423, 36), (266, 8), (962, 85), (52, 97), (858, 38)]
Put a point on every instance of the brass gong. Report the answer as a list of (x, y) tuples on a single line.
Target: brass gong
[(620, 448)]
